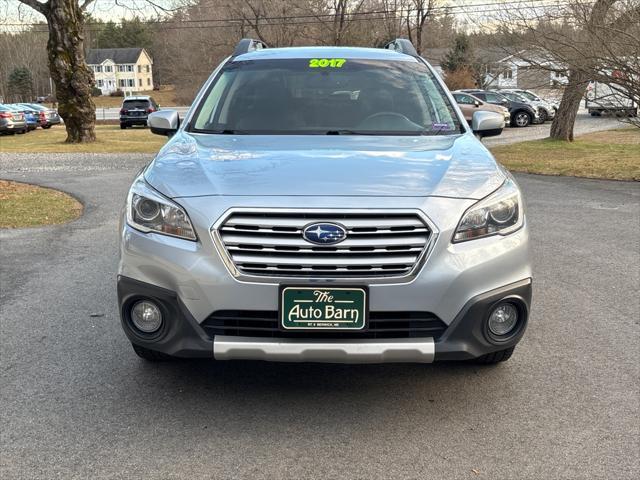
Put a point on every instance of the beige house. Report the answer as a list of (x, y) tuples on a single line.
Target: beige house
[(126, 69)]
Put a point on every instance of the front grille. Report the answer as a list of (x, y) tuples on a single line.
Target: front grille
[(376, 245), (258, 323)]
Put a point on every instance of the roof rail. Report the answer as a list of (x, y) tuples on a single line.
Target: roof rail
[(402, 45), (247, 45)]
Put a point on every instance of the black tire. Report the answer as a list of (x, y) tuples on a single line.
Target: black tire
[(150, 355), (123, 126), (495, 357), (47, 126), (21, 132), (521, 119), (543, 115)]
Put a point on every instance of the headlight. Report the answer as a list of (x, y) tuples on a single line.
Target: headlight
[(149, 211), (498, 214)]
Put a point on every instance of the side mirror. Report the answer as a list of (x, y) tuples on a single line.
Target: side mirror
[(165, 122), (487, 124), (476, 103)]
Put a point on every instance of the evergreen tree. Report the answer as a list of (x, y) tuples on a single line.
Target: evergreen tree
[(460, 55), (20, 84)]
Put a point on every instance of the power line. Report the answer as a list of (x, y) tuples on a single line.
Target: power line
[(453, 9)]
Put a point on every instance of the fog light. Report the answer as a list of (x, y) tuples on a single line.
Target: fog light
[(503, 319), (146, 316)]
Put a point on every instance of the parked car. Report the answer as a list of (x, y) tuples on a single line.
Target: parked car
[(50, 117), (31, 116), (522, 113), (11, 121), (515, 97), (135, 110), (546, 109), (609, 98), (470, 104), (324, 204)]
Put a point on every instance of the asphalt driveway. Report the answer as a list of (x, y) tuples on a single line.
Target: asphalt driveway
[(75, 402)]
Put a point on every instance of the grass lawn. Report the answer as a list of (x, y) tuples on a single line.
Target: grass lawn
[(611, 154), (23, 205), (110, 139)]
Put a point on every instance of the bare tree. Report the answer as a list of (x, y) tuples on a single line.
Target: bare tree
[(583, 40), (73, 79), (418, 13)]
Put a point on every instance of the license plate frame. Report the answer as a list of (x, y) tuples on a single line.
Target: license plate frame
[(322, 324)]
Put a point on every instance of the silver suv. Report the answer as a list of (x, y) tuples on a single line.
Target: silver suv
[(326, 205)]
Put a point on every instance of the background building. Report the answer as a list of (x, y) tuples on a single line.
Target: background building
[(126, 69)]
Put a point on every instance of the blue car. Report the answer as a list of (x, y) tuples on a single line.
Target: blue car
[(31, 116)]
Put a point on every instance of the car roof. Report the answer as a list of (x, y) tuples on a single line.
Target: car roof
[(325, 52), (137, 97)]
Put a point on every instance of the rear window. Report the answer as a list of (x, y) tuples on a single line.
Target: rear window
[(326, 96), (131, 104)]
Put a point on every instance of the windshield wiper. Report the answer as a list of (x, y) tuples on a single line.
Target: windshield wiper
[(226, 131), (371, 132)]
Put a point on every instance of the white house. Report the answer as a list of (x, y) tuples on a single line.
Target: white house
[(126, 69), (506, 71), (523, 70)]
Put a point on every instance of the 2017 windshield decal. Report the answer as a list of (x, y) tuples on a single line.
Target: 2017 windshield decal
[(326, 62)]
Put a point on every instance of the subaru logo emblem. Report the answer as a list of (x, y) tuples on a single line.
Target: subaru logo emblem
[(324, 233)]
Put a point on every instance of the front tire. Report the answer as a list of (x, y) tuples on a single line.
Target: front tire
[(150, 355), (496, 357), (123, 126), (543, 116), (47, 126), (521, 119)]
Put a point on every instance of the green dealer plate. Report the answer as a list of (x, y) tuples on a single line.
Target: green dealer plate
[(314, 308)]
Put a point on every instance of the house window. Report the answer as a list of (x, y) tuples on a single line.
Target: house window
[(98, 68), (148, 68), (129, 68), (139, 68), (99, 83), (122, 82), (121, 68), (108, 68), (148, 81), (131, 82), (507, 74), (139, 82)]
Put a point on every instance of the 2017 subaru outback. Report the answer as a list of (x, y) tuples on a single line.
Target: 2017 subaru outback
[(324, 204)]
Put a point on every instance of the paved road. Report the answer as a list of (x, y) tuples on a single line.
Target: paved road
[(584, 124), (75, 402), (114, 113)]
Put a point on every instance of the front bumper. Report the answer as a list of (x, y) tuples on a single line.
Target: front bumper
[(134, 120), (457, 284), (464, 339)]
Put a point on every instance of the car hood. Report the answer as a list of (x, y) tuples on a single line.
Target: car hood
[(199, 165)]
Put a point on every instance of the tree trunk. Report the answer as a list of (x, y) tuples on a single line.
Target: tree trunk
[(563, 123), (71, 75)]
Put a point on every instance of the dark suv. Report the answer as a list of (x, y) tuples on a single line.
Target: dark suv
[(135, 110), (522, 114)]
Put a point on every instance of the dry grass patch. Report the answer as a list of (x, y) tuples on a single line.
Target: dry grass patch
[(110, 139), (611, 154), (23, 205)]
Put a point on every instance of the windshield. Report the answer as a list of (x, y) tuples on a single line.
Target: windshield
[(529, 95), (515, 97), (326, 96)]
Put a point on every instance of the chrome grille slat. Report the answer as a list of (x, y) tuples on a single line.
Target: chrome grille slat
[(321, 251), (292, 241), (270, 230), (348, 223), (265, 243)]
